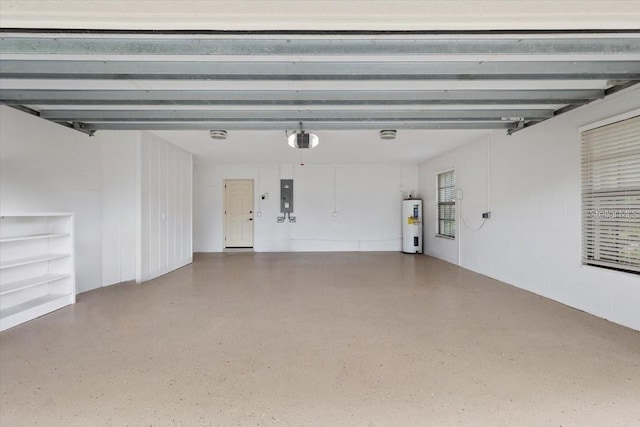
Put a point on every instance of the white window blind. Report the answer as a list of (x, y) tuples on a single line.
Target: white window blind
[(447, 204), (611, 195)]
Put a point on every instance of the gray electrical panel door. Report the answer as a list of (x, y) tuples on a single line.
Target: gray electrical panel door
[(286, 195)]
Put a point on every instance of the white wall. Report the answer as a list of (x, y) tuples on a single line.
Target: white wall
[(47, 168), (120, 206), (533, 238), (166, 207), (367, 199)]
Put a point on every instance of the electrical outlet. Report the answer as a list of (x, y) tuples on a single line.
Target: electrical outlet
[(486, 215)]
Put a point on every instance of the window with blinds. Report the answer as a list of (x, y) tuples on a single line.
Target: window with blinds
[(611, 195), (447, 204)]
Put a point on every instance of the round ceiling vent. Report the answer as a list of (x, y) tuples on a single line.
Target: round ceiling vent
[(388, 134), (218, 134)]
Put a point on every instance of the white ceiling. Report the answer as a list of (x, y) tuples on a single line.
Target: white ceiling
[(336, 147)]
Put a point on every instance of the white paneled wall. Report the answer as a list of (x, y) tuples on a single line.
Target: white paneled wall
[(533, 237), (48, 168), (367, 199), (166, 200), (120, 206)]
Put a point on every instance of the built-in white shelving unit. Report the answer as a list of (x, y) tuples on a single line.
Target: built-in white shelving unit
[(36, 266)]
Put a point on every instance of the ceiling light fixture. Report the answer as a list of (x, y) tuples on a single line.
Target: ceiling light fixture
[(302, 139), (388, 134), (218, 134)]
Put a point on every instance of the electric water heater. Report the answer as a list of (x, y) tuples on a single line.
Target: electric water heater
[(412, 226)]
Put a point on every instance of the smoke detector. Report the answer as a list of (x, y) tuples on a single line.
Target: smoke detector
[(218, 134), (388, 134)]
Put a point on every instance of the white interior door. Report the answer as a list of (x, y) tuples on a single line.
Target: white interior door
[(238, 214)]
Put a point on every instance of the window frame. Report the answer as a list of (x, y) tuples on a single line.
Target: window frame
[(591, 257), (439, 231)]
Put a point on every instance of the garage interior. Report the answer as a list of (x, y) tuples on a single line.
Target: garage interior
[(140, 117)]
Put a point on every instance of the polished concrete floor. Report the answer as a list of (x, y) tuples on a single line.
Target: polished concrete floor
[(341, 339)]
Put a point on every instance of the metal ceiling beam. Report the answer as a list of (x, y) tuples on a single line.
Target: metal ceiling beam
[(291, 125), (328, 71), (294, 97), (308, 58), (293, 115), (570, 107), (190, 45), (74, 126)]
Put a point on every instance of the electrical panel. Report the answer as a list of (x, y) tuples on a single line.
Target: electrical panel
[(286, 196)]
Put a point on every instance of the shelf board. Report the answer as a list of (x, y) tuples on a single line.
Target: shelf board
[(31, 282), (31, 260), (31, 304), (32, 237)]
